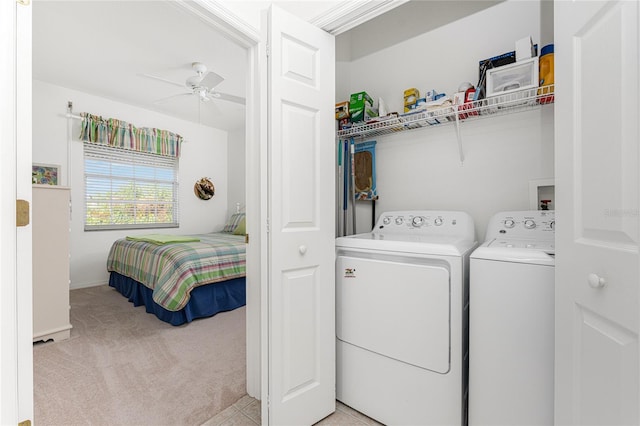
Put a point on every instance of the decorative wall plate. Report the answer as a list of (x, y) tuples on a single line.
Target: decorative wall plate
[(204, 189)]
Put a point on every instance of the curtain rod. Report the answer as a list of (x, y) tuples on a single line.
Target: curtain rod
[(79, 117)]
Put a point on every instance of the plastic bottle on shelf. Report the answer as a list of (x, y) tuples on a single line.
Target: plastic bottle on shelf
[(546, 74)]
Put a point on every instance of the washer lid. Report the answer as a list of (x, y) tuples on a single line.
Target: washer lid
[(548, 246), (500, 251), (407, 243)]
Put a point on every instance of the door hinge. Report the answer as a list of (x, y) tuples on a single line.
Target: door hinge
[(22, 212), (25, 423), (24, 3)]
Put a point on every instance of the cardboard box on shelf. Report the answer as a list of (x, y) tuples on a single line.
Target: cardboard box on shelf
[(342, 110), (359, 100), (363, 114), (411, 96), (430, 95), (524, 49)]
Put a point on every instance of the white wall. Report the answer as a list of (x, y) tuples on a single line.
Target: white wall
[(236, 165), (421, 169), (204, 154)]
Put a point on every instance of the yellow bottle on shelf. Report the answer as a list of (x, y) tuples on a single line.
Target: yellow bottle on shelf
[(546, 74)]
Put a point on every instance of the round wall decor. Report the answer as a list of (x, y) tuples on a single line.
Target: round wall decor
[(204, 189)]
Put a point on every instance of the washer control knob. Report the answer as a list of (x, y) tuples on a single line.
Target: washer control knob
[(552, 224), (529, 224), (386, 220), (417, 221), (509, 223), (438, 221), (399, 220)]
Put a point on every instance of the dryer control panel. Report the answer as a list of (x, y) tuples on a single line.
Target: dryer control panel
[(425, 222)]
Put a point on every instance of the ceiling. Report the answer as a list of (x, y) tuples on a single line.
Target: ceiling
[(103, 47)]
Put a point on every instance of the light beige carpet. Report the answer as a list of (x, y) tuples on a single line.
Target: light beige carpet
[(123, 366)]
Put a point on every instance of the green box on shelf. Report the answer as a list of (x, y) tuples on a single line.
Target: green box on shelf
[(359, 101)]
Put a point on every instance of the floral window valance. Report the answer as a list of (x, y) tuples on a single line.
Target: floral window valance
[(120, 134)]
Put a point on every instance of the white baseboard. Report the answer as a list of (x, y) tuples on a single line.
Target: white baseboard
[(76, 286)]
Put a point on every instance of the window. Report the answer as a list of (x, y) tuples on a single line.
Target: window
[(126, 189)]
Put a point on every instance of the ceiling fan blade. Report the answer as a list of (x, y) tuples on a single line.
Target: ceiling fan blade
[(162, 100), (227, 97), (211, 80), (155, 77)]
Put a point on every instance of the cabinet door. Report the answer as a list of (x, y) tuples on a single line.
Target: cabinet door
[(597, 270)]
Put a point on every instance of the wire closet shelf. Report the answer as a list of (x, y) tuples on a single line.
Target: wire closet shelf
[(517, 101)]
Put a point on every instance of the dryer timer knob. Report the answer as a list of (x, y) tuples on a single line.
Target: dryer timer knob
[(438, 221), (529, 224)]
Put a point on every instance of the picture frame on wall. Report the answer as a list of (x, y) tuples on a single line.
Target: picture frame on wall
[(45, 174)]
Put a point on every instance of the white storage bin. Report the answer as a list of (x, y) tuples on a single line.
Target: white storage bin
[(513, 77)]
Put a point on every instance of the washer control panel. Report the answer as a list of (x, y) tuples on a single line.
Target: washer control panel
[(424, 222), (533, 225)]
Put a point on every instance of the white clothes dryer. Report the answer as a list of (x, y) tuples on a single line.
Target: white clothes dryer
[(512, 321), (401, 318)]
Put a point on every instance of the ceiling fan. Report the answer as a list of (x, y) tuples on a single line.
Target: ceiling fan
[(203, 85)]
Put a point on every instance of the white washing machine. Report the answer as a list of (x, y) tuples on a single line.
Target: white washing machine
[(401, 325), (512, 321)]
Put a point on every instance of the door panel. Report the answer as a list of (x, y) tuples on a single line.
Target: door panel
[(606, 392), (604, 131), (301, 288), (300, 183), (300, 346), (597, 159)]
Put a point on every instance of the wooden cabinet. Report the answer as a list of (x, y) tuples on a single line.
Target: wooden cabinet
[(50, 218)]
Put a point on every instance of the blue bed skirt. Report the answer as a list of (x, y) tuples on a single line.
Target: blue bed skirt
[(206, 300)]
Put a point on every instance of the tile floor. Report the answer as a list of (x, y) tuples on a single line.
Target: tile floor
[(246, 412)]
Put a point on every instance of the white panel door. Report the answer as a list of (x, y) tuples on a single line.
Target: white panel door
[(597, 269), (301, 287), (16, 362), (8, 288)]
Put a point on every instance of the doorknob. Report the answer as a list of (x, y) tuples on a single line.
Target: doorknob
[(595, 281), (302, 249)]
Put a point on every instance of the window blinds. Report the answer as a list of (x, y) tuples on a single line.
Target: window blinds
[(127, 189)]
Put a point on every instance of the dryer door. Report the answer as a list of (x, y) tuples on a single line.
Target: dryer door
[(399, 309)]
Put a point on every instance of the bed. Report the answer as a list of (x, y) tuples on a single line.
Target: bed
[(183, 278)]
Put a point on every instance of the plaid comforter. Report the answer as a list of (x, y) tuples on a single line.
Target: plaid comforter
[(173, 270)]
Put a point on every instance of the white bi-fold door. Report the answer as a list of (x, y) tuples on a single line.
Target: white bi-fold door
[(597, 191), (301, 285)]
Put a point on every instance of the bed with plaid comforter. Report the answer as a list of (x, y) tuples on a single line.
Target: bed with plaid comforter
[(172, 271)]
